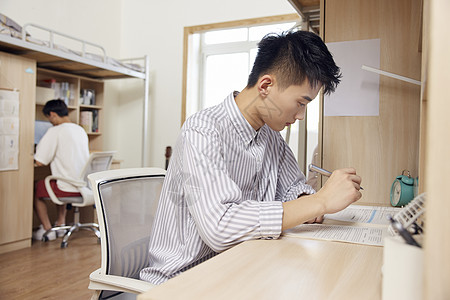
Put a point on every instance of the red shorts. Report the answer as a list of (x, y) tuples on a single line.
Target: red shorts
[(41, 191)]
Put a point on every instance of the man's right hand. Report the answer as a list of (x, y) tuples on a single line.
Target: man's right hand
[(340, 190)]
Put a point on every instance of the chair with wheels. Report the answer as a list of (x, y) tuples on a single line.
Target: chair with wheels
[(126, 202), (98, 161)]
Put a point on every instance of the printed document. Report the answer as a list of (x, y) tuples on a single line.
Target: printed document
[(367, 225)]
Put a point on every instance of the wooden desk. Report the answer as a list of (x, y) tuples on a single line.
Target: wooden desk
[(288, 268)]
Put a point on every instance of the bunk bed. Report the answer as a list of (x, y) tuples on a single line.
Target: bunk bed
[(81, 58)]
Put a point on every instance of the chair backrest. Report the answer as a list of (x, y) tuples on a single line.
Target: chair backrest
[(98, 161), (126, 202)]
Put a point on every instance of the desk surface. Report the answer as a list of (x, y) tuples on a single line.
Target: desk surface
[(287, 268)]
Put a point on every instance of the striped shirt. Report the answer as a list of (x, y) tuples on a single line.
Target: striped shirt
[(225, 184)]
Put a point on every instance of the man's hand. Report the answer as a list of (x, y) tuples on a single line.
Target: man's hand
[(39, 164), (315, 220), (340, 190)]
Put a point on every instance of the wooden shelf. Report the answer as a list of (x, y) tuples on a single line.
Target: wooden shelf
[(91, 106), (309, 10), (94, 133), (78, 83)]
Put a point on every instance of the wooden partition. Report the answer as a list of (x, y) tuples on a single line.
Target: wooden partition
[(16, 186), (436, 145), (379, 147)]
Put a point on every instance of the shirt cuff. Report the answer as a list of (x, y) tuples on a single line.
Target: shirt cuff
[(271, 219), (299, 189)]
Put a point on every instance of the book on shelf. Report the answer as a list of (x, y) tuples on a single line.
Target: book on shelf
[(51, 89), (87, 97), (95, 121), (86, 120)]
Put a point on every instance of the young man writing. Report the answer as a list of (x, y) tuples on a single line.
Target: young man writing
[(232, 177), (65, 146)]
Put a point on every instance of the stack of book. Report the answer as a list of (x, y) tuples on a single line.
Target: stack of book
[(86, 120), (89, 120)]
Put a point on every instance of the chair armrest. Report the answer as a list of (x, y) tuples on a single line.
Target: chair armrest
[(117, 283), (76, 183)]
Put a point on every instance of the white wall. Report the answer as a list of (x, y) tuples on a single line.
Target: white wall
[(132, 28)]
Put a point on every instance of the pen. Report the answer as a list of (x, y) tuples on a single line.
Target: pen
[(404, 233), (314, 168)]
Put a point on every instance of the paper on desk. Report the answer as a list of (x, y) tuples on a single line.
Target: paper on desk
[(364, 214), (367, 225), (351, 234)]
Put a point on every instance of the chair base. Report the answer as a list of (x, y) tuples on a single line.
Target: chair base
[(72, 228)]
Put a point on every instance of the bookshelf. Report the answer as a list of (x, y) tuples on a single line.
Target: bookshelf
[(83, 95)]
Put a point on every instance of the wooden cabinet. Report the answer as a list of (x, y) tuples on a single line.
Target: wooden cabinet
[(435, 144), (380, 146), (79, 109), (16, 186)]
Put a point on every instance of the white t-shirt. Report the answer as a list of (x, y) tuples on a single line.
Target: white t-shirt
[(66, 148)]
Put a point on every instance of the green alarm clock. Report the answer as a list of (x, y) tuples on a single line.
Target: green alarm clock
[(402, 190)]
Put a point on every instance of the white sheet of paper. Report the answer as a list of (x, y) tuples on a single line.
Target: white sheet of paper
[(364, 214), (373, 236), (359, 224), (358, 93), (9, 130)]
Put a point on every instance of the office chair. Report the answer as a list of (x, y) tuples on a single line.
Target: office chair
[(126, 202), (98, 161)]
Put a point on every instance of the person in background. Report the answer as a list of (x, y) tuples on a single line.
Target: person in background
[(65, 146), (232, 177)]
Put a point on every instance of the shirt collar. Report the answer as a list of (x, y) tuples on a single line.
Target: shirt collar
[(242, 126)]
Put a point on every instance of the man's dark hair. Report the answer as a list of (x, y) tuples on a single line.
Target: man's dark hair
[(57, 106), (294, 56)]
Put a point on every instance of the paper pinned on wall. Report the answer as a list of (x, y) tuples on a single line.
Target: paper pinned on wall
[(9, 130), (358, 93)]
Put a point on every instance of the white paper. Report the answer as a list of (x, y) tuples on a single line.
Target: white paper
[(364, 214), (352, 234), (9, 130), (359, 224), (358, 93), (9, 125)]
